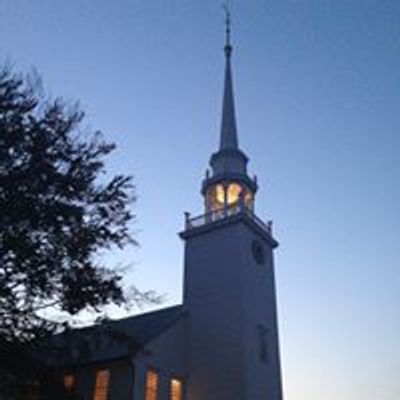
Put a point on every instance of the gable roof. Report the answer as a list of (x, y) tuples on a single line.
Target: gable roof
[(114, 339), (144, 327)]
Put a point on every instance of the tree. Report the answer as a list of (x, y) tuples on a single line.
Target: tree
[(56, 214)]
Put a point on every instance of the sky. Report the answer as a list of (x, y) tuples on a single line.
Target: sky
[(317, 98)]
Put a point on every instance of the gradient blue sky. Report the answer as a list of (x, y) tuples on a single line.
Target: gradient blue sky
[(318, 107)]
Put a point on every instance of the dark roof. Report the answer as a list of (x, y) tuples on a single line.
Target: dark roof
[(144, 327), (114, 339)]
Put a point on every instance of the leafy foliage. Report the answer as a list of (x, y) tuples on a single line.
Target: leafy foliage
[(55, 212)]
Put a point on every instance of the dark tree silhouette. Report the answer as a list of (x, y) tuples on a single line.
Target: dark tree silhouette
[(57, 210)]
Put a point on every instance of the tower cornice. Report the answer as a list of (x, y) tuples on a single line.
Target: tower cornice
[(203, 224)]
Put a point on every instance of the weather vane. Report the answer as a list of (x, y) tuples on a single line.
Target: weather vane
[(228, 47), (228, 24)]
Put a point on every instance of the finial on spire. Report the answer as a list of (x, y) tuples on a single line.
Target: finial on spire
[(228, 46), (228, 126)]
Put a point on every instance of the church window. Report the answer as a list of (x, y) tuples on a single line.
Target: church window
[(233, 193), (176, 389), (69, 381), (220, 195), (151, 385), (263, 343), (215, 198), (102, 382)]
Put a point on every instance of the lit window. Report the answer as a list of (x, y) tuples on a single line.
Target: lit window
[(220, 194), (233, 193), (102, 381), (151, 385), (69, 381), (176, 389)]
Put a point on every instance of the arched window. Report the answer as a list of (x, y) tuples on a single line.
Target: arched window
[(234, 191), (101, 388), (176, 389), (151, 385)]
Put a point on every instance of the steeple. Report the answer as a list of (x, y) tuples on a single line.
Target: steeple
[(232, 351), (228, 138), (228, 184)]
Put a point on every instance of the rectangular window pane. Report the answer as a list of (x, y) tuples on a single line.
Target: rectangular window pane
[(102, 381), (151, 385), (176, 389), (69, 381)]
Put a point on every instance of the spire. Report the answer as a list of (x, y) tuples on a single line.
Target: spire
[(228, 164), (228, 126)]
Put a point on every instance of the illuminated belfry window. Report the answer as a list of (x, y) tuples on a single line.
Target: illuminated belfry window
[(233, 193), (69, 382), (151, 385), (176, 389), (215, 198), (102, 383), (224, 195)]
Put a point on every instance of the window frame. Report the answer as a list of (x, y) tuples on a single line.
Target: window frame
[(69, 381), (182, 383), (151, 369), (105, 396)]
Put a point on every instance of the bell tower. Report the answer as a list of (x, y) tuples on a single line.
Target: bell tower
[(229, 284)]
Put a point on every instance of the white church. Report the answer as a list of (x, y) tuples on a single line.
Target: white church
[(222, 342)]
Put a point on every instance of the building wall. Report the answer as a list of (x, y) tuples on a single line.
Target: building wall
[(121, 379), (229, 296), (166, 354), (262, 360), (213, 294)]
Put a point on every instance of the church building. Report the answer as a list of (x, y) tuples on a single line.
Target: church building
[(222, 342)]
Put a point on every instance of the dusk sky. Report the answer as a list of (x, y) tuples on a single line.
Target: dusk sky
[(317, 90)]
